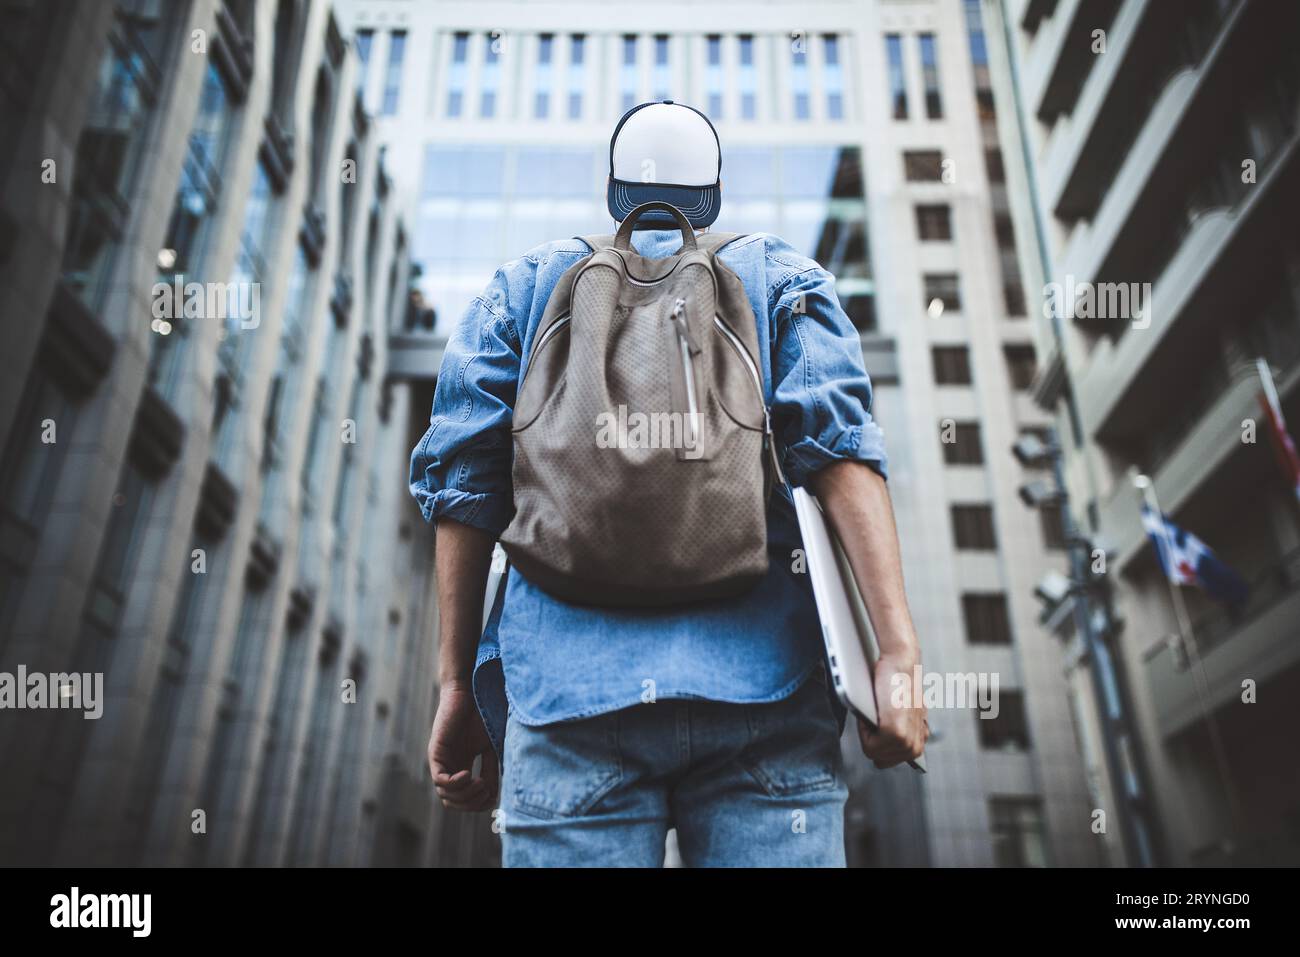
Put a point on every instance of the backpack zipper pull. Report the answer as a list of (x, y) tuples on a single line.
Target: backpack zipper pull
[(769, 449), (678, 318)]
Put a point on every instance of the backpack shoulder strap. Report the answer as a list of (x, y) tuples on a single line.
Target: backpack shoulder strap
[(709, 242), (597, 243), (713, 242)]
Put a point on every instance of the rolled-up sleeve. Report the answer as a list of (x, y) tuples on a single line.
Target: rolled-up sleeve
[(821, 407), (461, 468)]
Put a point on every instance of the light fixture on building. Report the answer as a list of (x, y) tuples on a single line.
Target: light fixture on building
[(1039, 493), (166, 258), (935, 309)]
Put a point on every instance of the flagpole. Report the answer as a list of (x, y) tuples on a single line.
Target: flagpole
[(1187, 641), (1275, 413)]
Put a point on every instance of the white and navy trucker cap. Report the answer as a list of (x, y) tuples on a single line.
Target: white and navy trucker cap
[(669, 152)]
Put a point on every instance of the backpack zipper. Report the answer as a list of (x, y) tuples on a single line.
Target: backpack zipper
[(769, 445), (687, 346), (741, 351), (550, 333), (552, 330)]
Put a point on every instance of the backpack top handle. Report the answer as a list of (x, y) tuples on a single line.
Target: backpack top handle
[(623, 238)]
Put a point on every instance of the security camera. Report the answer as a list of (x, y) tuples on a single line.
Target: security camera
[(1031, 451), (1053, 589)]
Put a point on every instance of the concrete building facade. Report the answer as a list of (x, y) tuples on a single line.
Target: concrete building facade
[(1158, 172), (867, 135), (203, 485)]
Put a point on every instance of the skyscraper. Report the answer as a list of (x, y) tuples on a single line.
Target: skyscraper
[(1158, 171), (203, 482)]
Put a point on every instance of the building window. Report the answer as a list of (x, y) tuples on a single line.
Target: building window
[(284, 61), (972, 528), (841, 247), (997, 172), (365, 40), (987, 620), (933, 222), (282, 399), (662, 71), (322, 114), (108, 148), (1021, 366), (1005, 233), (542, 97), (115, 569), (942, 294), (311, 461), (176, 667), (861, 310), (1013, 298), (802, 105), (923, 166), (1019, 835), (487, 104), (456, 75), (627, 74), (310, 795), (713, 77), (347, 206), (930, 75), (393, 78), (1009, 731), (1053, 527), (200, 177), (577, 50), (250, 267), (951, 365), (343, 482), (29, 472), (834, 77), (961, 443), (287, 704), (242, 680), (979, 53), (192, 215), (897, 79), (984, 101), (747, 79)]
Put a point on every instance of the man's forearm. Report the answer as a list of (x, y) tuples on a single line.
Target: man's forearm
[(462, 559), (857, 507)]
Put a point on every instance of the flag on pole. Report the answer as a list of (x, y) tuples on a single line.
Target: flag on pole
[(1187, 560), (1282, 443)]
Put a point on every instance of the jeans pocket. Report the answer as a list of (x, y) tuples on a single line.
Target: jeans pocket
[(563, 769), (794, 743)]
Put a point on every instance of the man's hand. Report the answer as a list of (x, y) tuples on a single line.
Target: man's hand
[(458, 738), (462, 560), (903, 731)]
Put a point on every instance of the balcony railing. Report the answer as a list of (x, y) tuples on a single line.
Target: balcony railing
[(1271, 587)]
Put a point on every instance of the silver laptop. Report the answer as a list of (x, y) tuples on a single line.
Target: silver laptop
[(851, 648)]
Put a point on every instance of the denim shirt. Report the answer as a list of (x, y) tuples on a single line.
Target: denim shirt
[(547, 660)]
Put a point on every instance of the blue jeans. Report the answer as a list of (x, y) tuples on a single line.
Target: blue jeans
[(745, 785)]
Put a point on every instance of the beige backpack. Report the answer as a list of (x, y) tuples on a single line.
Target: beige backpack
[(643, 452)]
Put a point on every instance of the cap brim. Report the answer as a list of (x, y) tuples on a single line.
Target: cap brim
[(699, 204)]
